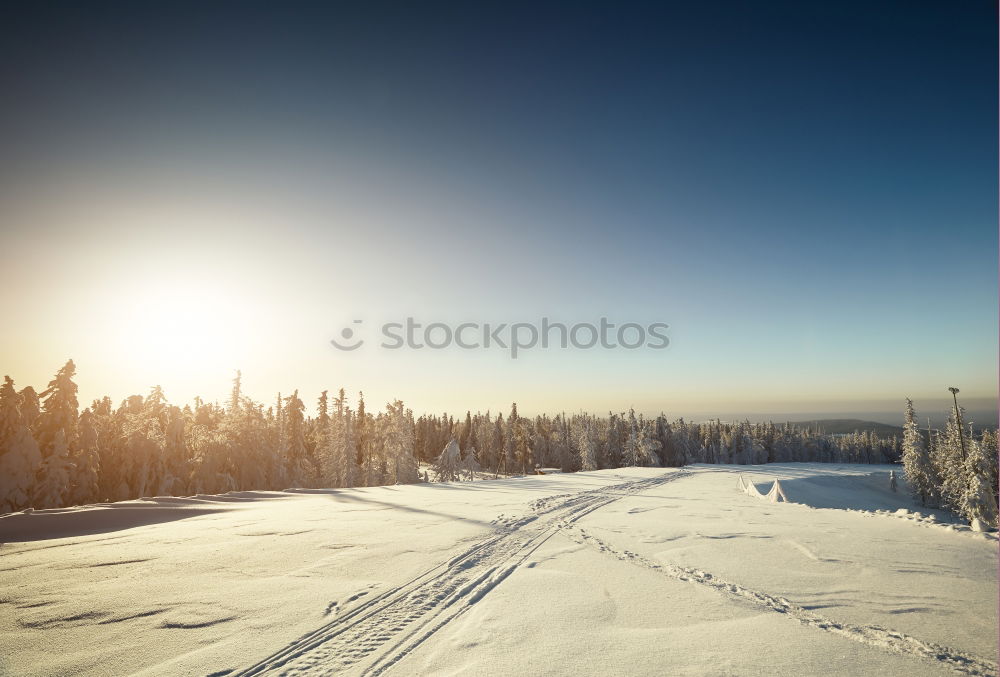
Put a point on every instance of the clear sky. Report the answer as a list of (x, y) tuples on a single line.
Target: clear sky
[(806, 193)]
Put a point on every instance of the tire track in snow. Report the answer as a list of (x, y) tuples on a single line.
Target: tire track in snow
[(373, 637), (871, 635)]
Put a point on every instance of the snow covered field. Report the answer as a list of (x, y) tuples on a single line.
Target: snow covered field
[(638, 571)]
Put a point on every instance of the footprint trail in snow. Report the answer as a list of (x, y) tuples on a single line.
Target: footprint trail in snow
[(871, 635)]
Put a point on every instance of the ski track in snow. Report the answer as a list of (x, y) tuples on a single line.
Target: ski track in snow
[(374, 636), (871, 635)]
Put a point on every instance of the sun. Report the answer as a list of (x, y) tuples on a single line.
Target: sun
[(179, 331)]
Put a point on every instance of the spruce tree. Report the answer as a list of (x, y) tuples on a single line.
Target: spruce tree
[(59, 410), (586, 444), (88, 462), (295, 450), (917, 464), (176, 462), (19, 454), (54, 475), (977, 502), (398, 439), (949, 463), (323, 442), (470, 463), (347, 458), (56, 432)]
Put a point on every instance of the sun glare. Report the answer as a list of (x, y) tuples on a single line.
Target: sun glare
[(180, 330)]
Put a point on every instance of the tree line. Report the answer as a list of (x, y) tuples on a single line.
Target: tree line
[(52, 455)]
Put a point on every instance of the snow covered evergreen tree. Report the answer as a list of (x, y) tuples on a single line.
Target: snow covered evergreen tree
[(449, 463), (470, 464), (977, 502), (88, 463), (59, 410), (301, 471), (988, 438), (144, 450), (640, 446), (508, 462), (54, 474), (19, 454), (586, 444), (523, 453), (324, 443), (648, 446), (348, 451), (175, 458), (56, 432), (630, 450), (31, 408), (917, 464), (398, 445), (361, 434), (950, 463)]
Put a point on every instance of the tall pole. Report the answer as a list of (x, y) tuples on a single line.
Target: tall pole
[(958, 417)]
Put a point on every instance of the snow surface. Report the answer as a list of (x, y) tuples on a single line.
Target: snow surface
[(637, 571)]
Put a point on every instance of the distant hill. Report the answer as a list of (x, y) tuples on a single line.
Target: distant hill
[(843, 426)]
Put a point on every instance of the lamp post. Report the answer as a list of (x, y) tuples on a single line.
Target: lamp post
[(958, 417)]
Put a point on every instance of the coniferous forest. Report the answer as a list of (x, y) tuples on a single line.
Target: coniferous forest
[(53, 455)]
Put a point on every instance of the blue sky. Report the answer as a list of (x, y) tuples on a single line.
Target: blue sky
[(806, 194)]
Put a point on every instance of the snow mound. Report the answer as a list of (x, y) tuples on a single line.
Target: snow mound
[(775, 494)]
